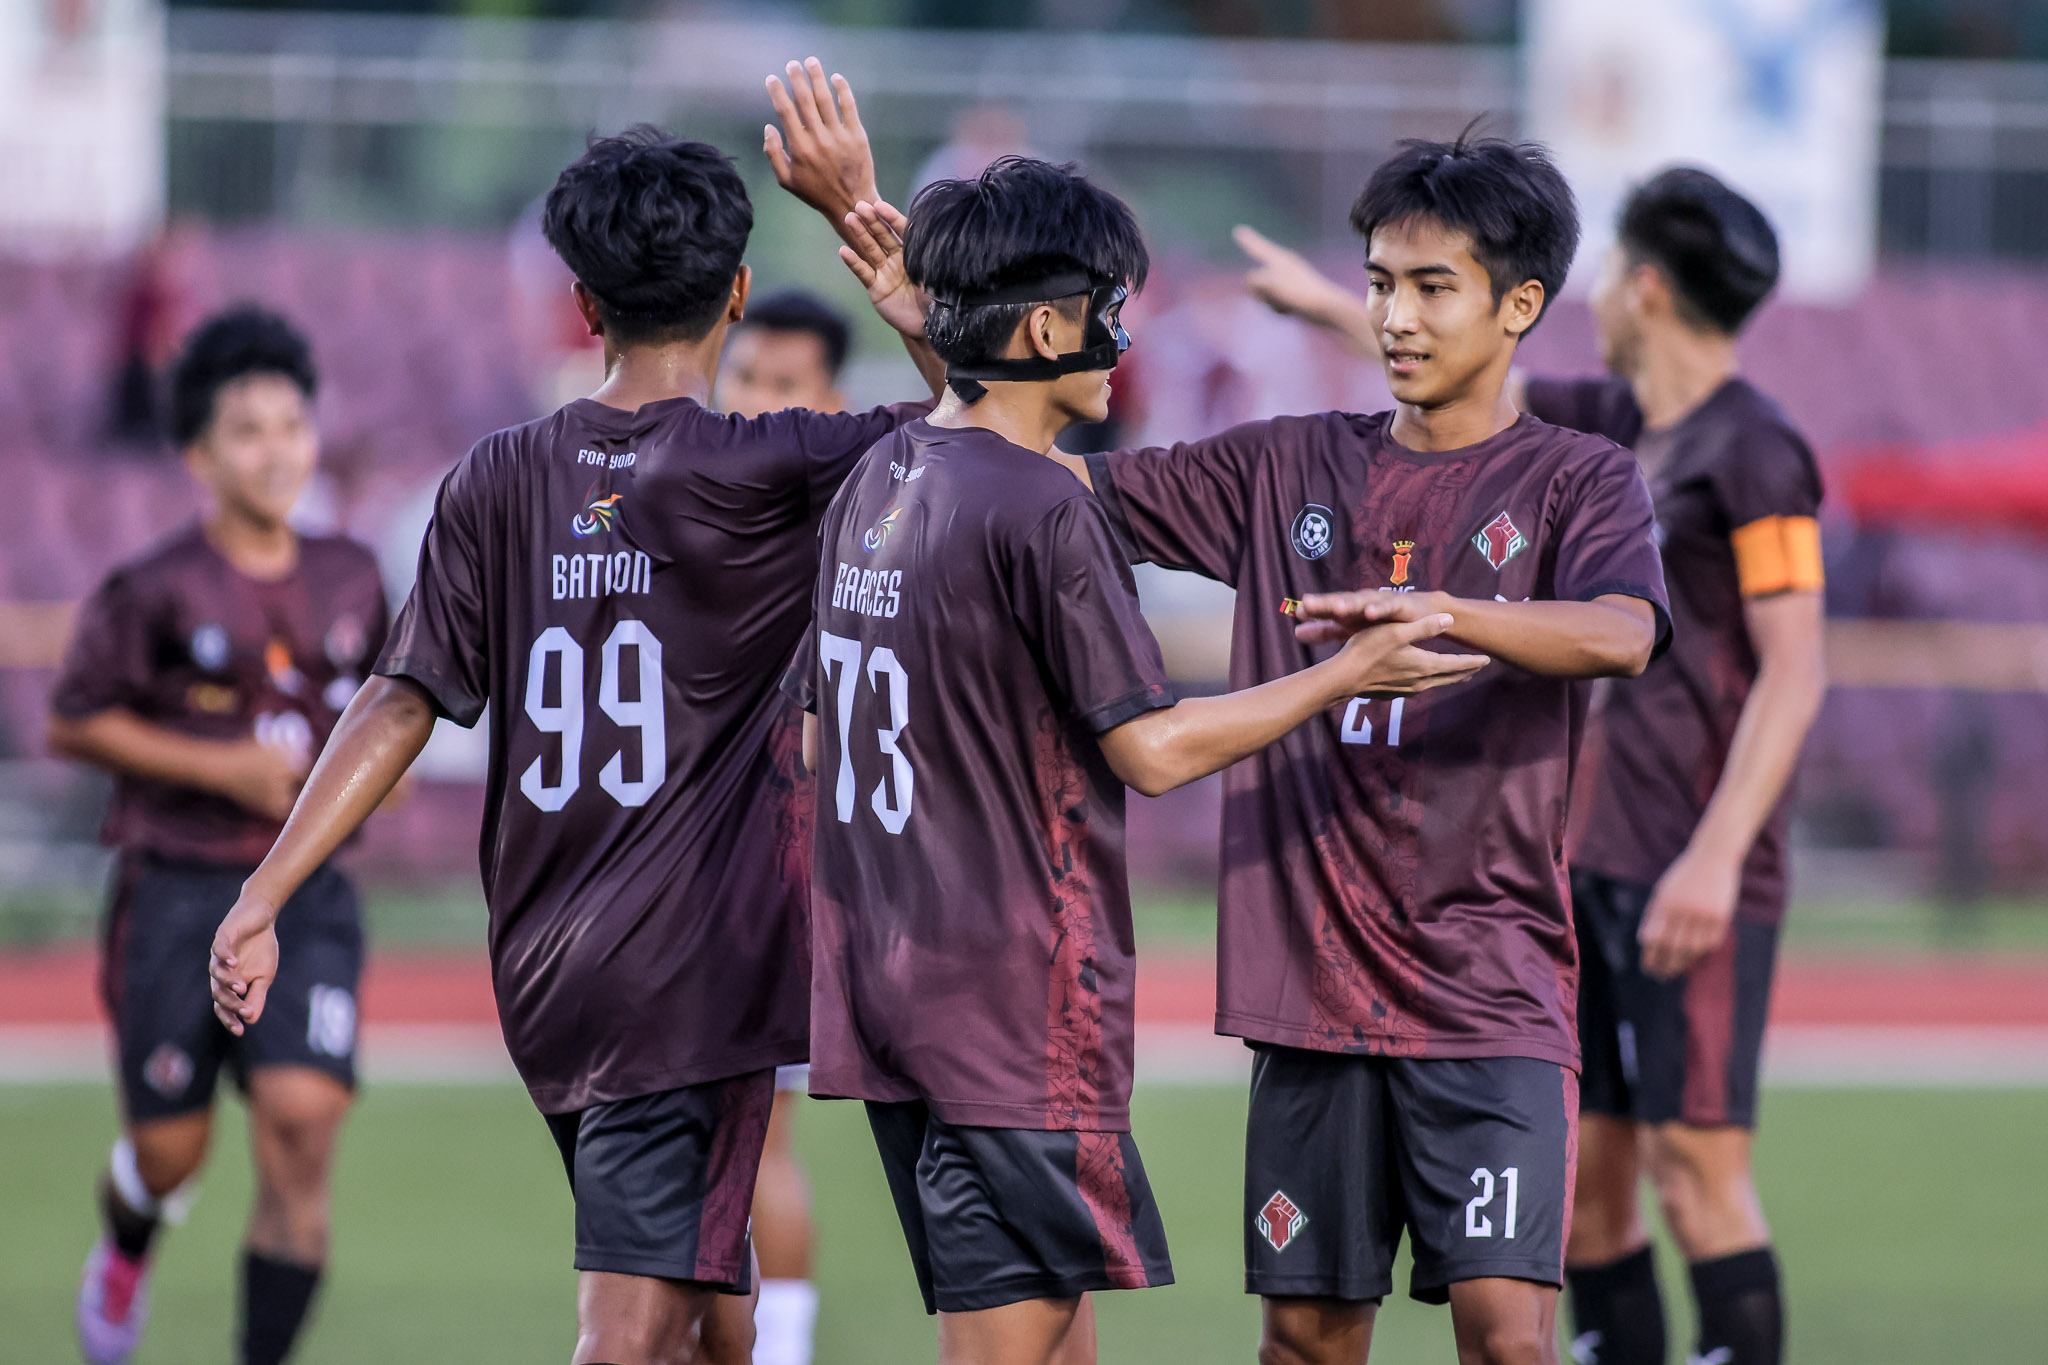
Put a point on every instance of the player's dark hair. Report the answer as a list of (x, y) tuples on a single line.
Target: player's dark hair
[(794, 310), (234, 344), (1022, 219), (654, 227), (1508, 197), (1715, 247)]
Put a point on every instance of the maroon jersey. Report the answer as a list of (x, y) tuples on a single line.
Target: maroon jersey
[(627, 588), (977, 628), (187, 641), (1733, 479), (1393, 872)]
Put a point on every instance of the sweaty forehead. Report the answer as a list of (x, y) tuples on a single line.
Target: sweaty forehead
[(1421, 243)]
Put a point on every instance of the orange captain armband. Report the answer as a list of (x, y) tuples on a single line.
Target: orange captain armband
[(1778, 554)]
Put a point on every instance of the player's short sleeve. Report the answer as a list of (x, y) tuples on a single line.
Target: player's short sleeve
[(1078, 607), (1185, 506), (438, 640), (1599, 407), (1770, 489), (107, 660), (1606, 539), (833, 443)]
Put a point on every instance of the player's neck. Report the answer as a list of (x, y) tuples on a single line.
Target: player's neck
[(259, 549), (1677, 372), (635, 376), (1020, 413), (1454, 425)]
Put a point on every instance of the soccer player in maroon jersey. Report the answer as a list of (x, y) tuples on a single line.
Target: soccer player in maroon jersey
[(786, 353), (1679, 867), (204, 675), (1395, 929), (625, 579), (983, 688)]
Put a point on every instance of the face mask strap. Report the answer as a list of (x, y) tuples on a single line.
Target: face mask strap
[(1104, 338)]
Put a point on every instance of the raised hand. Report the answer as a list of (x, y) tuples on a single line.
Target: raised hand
[(1284, 280), (874, 253), (821, 153)]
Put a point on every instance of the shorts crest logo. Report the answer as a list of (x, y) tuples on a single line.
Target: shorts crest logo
[(168, 1070), (1279, 1221), (1500, 541), (1402, 550), (598, 514), (1315, 529), (878, 535)]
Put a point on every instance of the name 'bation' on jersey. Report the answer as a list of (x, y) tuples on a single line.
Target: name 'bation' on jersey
[(599, 574), (870, 592)]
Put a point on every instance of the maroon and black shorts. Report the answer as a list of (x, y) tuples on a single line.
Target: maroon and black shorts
[(1004, 1215), (1472, 1157), (1681, 1051), (664, 1183)]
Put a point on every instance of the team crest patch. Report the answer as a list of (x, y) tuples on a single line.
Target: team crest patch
[(1315, 529), (598, 514), (877, 535), (1500, 541), (1280, 1221), (1403, 550), (168, 1070), (210, 646)]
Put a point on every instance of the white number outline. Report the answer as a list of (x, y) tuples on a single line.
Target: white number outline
[(893, 817), (1356, 727), (565, 719), (1477, 1226), (647, 713), (837, 649)]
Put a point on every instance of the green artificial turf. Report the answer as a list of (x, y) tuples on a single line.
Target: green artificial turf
[(1910, 1223)]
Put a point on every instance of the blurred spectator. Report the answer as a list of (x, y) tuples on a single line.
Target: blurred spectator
[(154, 301)]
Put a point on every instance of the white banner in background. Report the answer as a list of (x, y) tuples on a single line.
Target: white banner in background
[(81, 125), (1780, 98)]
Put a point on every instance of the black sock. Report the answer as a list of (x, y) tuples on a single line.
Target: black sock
[(1617, 1313), (131, 1232), (1742, 1310), (275, 1297)]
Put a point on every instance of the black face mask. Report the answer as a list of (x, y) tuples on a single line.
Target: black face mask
[(1103, 338)]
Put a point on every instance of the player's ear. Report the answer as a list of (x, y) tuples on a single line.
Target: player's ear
[(1521, 306), (1039, 332), (736, 306), (1648, 290), (586, 307)]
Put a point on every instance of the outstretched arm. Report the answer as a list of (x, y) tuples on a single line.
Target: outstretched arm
[(822, 156), (1287, 283), (1168, 748), (1612, 636), (376, 740)]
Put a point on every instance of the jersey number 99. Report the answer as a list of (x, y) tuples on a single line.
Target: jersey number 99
[(557, 651)]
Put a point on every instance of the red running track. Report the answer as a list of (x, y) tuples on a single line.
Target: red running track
[(1179, 987)]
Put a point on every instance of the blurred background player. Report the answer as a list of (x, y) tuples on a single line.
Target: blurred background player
[(786, 353), (1679, 862), (1679, 874), (984, 687), (205, 675), (626, 578)]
